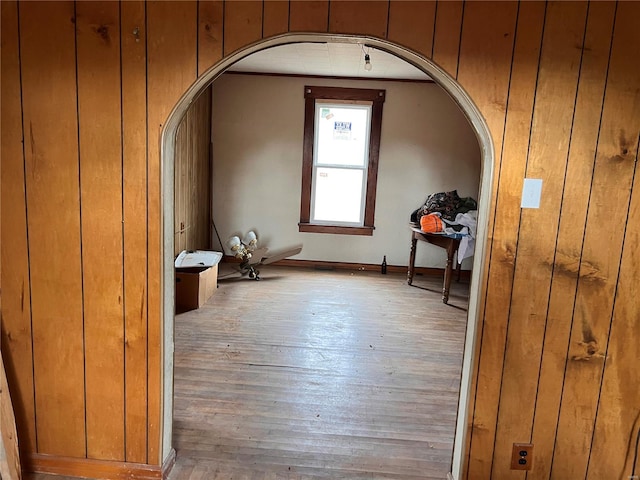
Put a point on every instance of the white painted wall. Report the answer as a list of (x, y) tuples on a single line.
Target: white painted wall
[(427, 146)]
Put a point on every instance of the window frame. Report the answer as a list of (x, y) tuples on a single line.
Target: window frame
[(311, 94)]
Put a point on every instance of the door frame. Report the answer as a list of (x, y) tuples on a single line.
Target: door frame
[(167, 158)]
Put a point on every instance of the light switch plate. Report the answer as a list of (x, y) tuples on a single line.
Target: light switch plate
[(531, 192)]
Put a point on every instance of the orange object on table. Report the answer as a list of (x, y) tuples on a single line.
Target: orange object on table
[(431, 223)]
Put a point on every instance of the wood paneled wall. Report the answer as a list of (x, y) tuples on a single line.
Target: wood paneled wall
[(192, 178), (559, 86)]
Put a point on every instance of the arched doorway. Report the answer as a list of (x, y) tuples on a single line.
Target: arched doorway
[(487, 161)]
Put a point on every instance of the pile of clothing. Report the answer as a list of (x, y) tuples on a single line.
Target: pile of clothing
[(449, 214)]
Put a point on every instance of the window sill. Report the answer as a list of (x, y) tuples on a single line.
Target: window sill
[(334, 229)]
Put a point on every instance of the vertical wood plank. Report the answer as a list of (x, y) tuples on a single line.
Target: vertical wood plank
[(412, 24), (511, 166), (52, 172), (16, 292), (134, 151), (192, 177), (612, 180), (181, 159), (618, 411), (210, 33), (276, 17), (446, 37), (570, 231), (309, 15), (547, 158), (365, 17), (171, 69), (242, 24), (203, 199), (99, 117), (485, 65)]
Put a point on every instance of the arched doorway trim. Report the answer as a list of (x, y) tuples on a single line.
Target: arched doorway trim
[(167, 152)]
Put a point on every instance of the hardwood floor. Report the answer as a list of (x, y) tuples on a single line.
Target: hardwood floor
[(312, 374), (318, 374)]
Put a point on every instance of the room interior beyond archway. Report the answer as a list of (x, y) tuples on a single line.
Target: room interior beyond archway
[(167, 155)]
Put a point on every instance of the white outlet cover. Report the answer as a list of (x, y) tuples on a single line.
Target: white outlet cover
[(531, 192)]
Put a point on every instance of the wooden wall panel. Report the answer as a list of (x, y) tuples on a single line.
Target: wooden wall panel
[(484, 73), (210, 33), (201, 199), (16, 292), (365, 17), (573, 213), (309, 15), (275, 17), (478, 43), (171, 69), (601, 253), (546, 160), (53, 206), (99, 115), (134, 164), (192, 211), (242, 24), (412, 24), (181, 170), (511, 165), (618, 414), (446, 35)]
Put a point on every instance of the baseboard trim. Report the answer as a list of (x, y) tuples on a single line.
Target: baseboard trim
[(103, 469), (368, 267), (168, 464)]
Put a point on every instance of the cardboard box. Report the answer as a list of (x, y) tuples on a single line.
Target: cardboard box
[(196, 278)]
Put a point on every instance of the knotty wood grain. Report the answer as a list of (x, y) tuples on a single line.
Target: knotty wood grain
[(134, 162), (491, 24), (412, 24), (446, 36), (210, 33), (366, 17), (617, 424), (573, 213), (16, 291), (171, 69), (308, 15), (512, 164), (100, 136), (546, 159), (53, 199), (275, 18), (598, 274), (242, 24)]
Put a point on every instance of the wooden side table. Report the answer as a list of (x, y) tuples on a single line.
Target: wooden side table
[(449, 243)]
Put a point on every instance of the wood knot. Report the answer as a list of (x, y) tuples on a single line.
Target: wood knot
[(207, 27), (590, 352), (103, 32)]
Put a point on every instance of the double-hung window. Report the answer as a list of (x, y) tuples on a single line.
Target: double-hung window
[(340, 159)]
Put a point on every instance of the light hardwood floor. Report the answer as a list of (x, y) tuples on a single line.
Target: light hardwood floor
[(318, 374)]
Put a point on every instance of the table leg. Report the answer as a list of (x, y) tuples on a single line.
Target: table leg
[(412, 259), (447, 273)]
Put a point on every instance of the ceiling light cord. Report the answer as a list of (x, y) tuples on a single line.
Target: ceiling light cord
[(367, 58)]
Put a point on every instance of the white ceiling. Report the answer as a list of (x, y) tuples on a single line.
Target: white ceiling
[(328, 59)]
